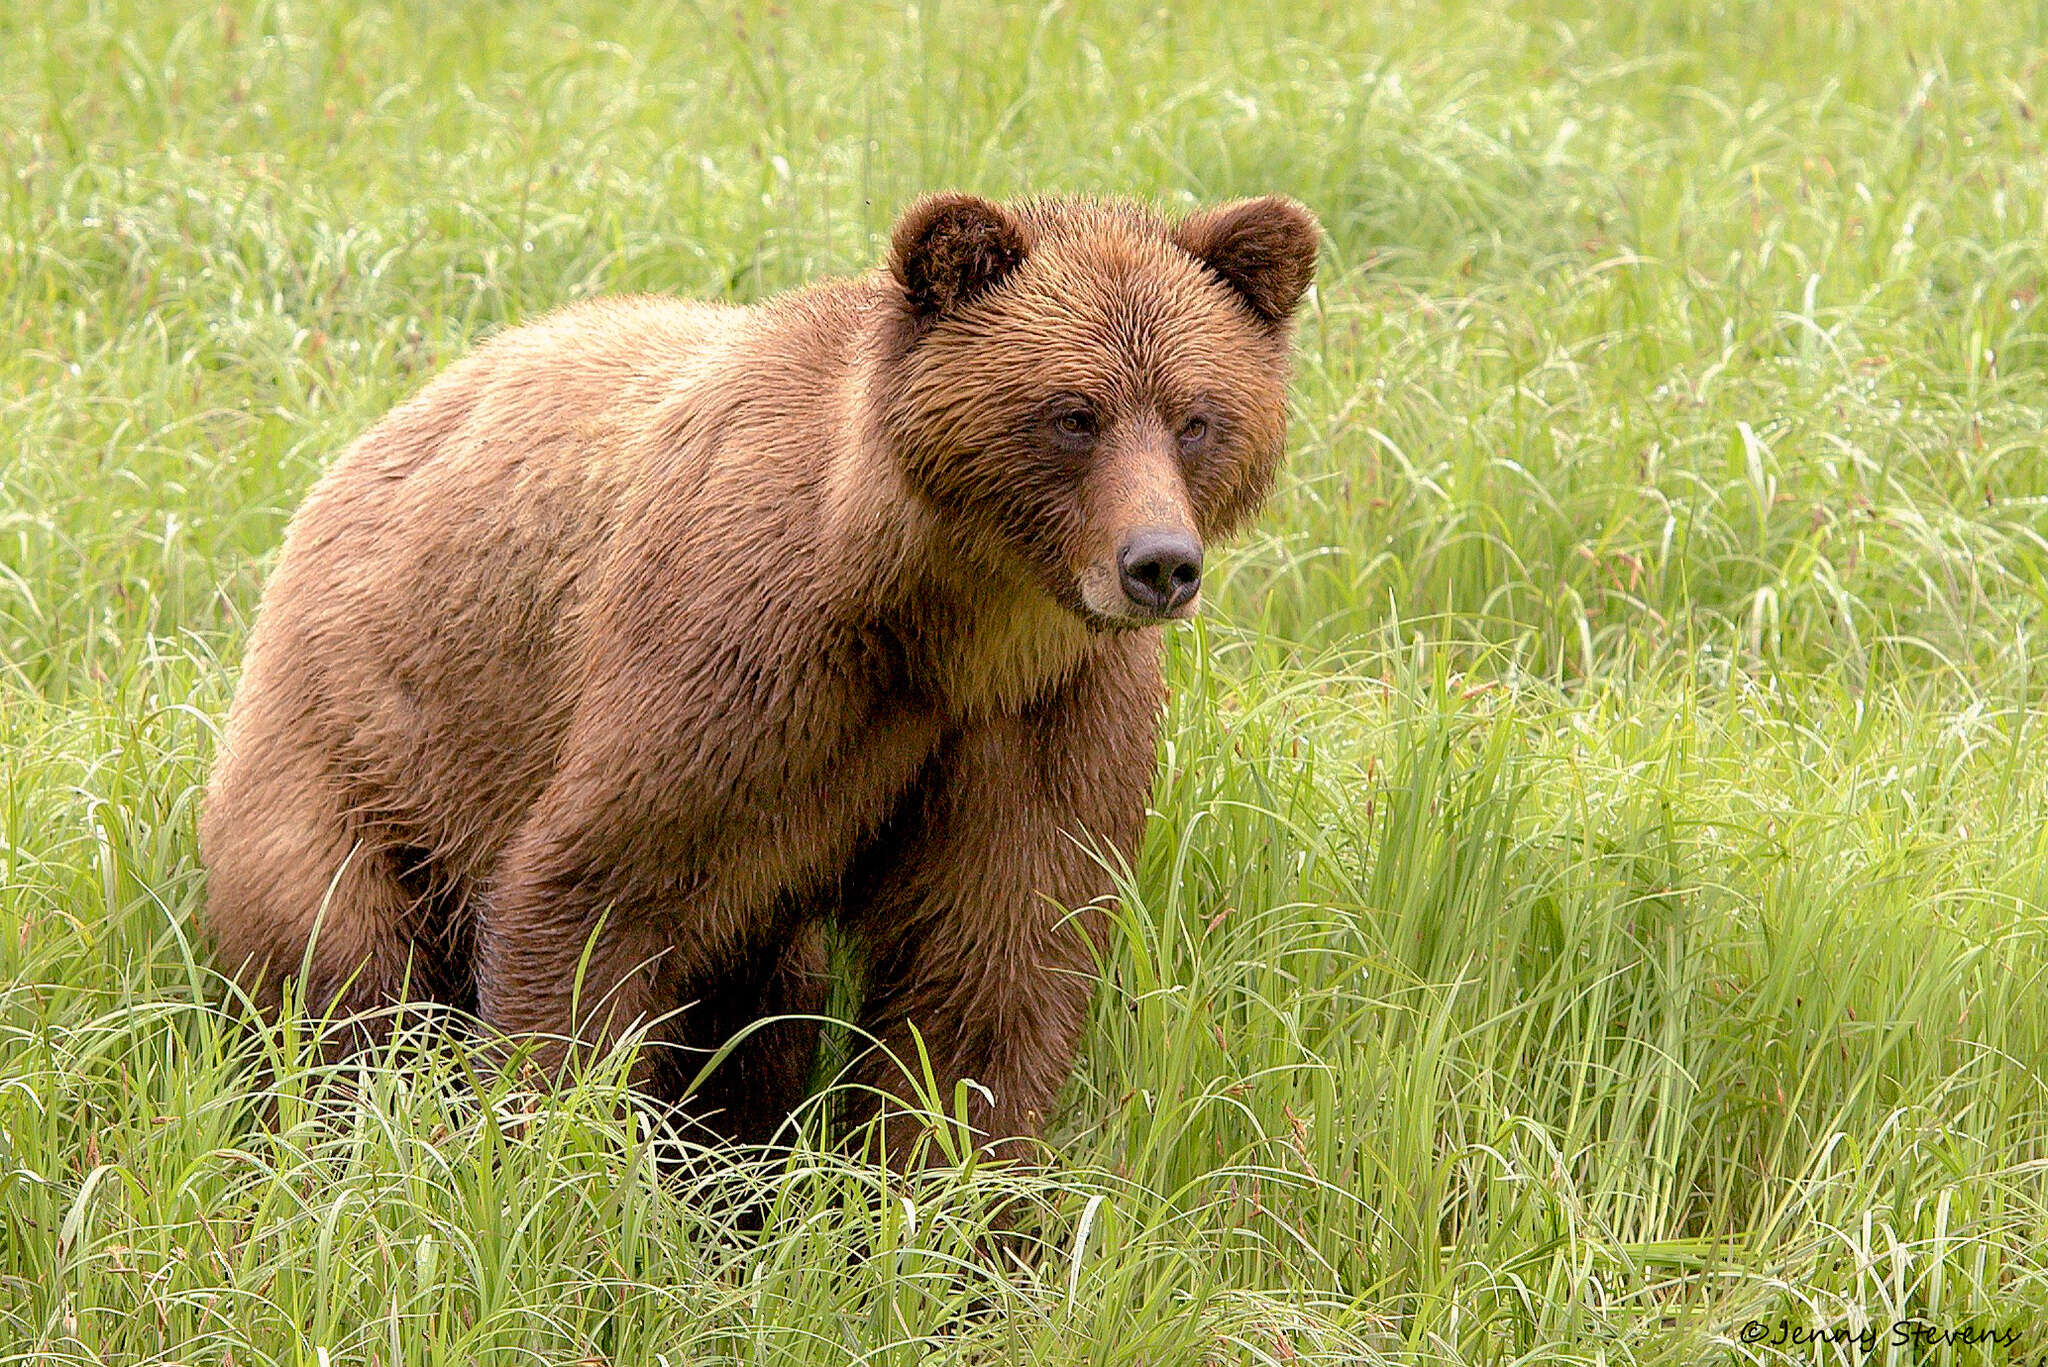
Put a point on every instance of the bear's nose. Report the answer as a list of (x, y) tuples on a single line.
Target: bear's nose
[(1161, 570)]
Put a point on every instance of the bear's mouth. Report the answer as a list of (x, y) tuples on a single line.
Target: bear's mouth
[(1132, 622)]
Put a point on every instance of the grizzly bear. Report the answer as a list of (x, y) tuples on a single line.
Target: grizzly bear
[(653, 638)]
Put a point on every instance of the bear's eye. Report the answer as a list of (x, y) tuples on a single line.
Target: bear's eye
[(1192, 431), (1077, 423)]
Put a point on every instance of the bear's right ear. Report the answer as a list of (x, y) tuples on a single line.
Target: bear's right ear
[(949, 250)]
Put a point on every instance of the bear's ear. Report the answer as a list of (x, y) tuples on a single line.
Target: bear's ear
[(1265, 249), (949, 250)]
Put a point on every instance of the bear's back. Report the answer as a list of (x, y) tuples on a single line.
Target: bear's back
[(430, 594)]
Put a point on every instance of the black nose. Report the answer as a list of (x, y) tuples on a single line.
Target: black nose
[(1162, 570)]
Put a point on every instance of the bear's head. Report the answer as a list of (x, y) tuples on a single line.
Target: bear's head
[(1089, 395)]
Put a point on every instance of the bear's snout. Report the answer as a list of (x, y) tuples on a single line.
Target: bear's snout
[(1161, 569)]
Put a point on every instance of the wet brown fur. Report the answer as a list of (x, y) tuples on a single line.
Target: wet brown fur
[(673, 632)]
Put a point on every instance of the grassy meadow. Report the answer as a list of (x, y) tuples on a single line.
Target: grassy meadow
[(1598, 902)]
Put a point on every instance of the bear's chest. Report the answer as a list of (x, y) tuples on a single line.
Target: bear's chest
[(1002, 659), (816, 774)]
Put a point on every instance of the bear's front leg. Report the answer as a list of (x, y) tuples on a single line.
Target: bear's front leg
[(604, 915), (984, 913), (574, 946)]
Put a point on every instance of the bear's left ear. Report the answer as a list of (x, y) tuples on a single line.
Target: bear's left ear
[(1265, 249), (949, 250)]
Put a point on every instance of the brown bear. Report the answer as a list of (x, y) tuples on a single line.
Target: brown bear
[(600, 677)]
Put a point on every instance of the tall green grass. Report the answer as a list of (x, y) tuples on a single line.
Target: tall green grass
[(1598, 892)]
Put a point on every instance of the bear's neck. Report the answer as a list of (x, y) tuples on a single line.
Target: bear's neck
[(970, 639)]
